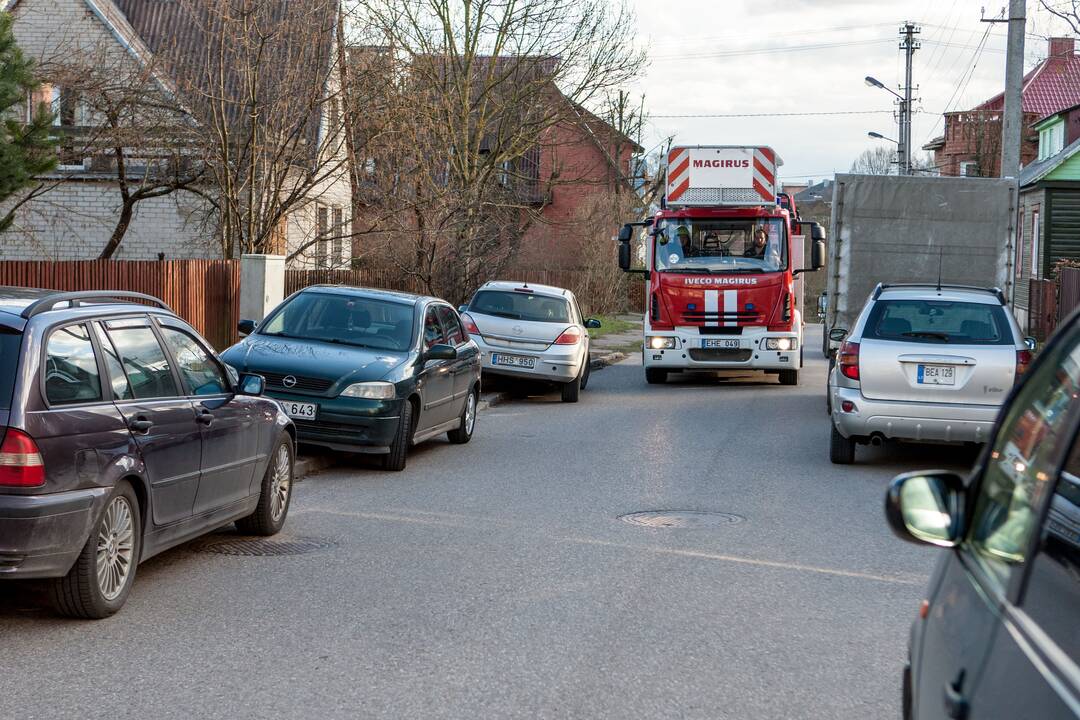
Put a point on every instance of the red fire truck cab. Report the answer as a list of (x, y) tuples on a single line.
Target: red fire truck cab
[(723, 258)]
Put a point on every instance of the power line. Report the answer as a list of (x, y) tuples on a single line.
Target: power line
[(683, 40), (774, 114), (768, 50)]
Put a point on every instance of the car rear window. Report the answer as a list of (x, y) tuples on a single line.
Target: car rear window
[(521, 306), (9, 364), (939, 322)]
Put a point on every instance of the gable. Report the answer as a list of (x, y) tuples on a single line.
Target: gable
[(1067, 170)]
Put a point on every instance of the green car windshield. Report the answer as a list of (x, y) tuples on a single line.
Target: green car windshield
[(344, 319)]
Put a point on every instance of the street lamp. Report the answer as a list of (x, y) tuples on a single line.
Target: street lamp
[(902, 146), (879, 136)]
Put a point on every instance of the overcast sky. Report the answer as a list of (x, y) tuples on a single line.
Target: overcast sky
[(746, 56)]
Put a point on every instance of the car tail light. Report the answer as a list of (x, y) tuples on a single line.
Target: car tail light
[(849, 360), (1023, 361), (570, 336), (20, 461), (470, 324)]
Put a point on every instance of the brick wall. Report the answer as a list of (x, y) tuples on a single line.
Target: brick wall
[(975, 136)]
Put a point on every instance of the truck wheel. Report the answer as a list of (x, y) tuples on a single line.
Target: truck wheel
[(841, 449), (99, 582), (789, 377), (655, 376)]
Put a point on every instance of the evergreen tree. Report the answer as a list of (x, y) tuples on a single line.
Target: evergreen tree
[(26, 148)]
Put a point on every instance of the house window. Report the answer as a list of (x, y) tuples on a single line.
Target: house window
[(322, 242), (335, 117), (339, 237), (1036, 269), (969, 168)]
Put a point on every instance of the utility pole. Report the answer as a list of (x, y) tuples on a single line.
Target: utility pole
[(1012, 120), (909, 45)]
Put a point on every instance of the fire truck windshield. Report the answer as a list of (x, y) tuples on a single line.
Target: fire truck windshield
[(688, 245)]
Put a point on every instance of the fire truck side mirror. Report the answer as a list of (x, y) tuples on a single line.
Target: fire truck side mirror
[(624, 254), (817, 255), (626, 233)]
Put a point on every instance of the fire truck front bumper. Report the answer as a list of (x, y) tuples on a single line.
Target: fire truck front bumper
[(755, 349)]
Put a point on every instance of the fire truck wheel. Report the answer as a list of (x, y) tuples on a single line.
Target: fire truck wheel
[(789, 377), (841, 449), (655, 376)]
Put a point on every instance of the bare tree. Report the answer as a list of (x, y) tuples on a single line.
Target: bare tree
[(483, 92), (1066, 10), (875, 161)]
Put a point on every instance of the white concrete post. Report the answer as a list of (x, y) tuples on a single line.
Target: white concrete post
[(262, 285)]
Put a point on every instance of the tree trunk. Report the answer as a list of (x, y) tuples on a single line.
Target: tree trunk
[(126, 211)]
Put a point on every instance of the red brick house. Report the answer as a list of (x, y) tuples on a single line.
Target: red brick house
[(971, 144)]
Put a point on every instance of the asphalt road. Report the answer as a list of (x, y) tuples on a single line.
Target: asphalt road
[(496, 580)]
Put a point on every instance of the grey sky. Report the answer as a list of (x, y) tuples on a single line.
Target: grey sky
[(743, 56)]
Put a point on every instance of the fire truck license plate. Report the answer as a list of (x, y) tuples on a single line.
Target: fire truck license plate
[(512, 360), (937, 375), (722, 343)]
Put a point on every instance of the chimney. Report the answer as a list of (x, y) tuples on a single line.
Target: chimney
[(1062, 47)]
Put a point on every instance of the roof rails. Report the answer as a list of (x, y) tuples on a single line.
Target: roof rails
[(996, 292), (75, 299)]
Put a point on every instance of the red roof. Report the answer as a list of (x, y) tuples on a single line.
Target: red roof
[(1052, 86)]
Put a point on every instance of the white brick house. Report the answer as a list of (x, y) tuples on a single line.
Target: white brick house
[(78, 213)]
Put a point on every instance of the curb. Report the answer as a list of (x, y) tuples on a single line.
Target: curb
[(310, 465), (598, 363)]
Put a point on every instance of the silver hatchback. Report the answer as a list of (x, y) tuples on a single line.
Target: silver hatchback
[(924, 363), (532, 333)]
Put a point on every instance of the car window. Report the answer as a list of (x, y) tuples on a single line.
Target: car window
[(120, 386), (144, 361), (455, 334), (433, 332), (1052, 597), (71, 371), (939, 322), (195, 363), (1022, 462), (345, 319), (10, 343), (521, 306)]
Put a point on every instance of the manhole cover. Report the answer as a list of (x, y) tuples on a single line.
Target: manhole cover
[(260, 547), (681, 519)]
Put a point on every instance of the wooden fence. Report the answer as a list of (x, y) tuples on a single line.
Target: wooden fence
[(206, 293)]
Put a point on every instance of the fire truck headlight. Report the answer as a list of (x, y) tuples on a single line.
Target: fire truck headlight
[(661, 343), (781, 344)]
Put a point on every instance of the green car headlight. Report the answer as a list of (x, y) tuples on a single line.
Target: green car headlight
[(370, 391)]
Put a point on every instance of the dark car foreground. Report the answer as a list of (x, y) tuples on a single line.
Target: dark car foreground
[(123, 436)]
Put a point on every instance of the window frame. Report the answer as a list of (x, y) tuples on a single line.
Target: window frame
[(43, 364), (452, 314), (175, 364), (99, 335), (431, 307), (149, 322)]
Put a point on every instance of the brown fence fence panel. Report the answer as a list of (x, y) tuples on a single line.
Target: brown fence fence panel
[(1042, 306), (206, 293), (1068, 292)]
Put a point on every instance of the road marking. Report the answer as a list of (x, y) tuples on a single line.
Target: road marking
[(472, 522)]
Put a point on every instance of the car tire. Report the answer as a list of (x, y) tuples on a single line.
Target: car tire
[(463, 434), (841, 449), (571, 391), (789, 377), (587, 373), (399, 448), (655, 376), (275, 493), (89, 591)]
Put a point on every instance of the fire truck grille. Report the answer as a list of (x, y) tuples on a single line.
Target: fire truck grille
[(747, 317), (713, 196), (719, 355)]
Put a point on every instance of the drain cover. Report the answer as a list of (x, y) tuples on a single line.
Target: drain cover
[(681, 519), (262, 547)]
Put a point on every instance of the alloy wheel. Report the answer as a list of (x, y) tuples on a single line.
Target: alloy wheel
[(280, 483), (470, 413), (115, 547)]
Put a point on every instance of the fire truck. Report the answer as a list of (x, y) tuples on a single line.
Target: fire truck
[(722, 263)]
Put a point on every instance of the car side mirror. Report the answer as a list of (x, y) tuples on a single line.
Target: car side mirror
[(838, 334), (441, 352), (592, 324), (1031, 343), (462, 308), (927, 507), (251, 384), (817, 254), (246, 327)]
